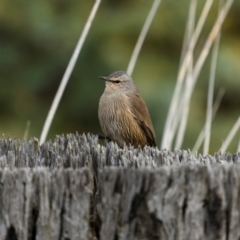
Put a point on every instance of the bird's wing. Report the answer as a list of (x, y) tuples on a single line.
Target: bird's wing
[(142, 116)]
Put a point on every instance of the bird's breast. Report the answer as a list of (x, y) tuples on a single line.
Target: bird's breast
[(118, 122), (113, 114), (111, 109)]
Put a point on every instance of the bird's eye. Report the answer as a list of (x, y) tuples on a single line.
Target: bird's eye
[(117, 81)]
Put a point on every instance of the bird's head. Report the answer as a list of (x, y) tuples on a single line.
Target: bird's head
[(118, 80)]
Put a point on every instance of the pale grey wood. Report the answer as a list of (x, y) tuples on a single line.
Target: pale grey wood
[(183, 202), (39, 204), (73, 188), (233, 211), (74, 150), (77, 205), (14, 203)]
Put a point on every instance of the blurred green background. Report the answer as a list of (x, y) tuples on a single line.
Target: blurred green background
[(37, 39)]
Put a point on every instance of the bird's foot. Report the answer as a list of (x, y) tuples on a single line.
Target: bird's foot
[(104, 138)]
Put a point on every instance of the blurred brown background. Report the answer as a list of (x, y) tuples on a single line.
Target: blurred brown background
[(37, 39)]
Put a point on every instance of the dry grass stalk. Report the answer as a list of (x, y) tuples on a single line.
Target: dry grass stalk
[(142, 36), (68, 73), (215, 107), (168, 133), (230, 136), (198, 66)]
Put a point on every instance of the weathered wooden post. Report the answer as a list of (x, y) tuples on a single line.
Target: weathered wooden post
[(73, 188)]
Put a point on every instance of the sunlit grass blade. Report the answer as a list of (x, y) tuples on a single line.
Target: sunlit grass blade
[(238, 149), (230, 136), (26, 132), (187, 38), (68, 73), (209, 111), (142, 36), (186, 105), (211, 38), (215, 109), (190, 25), (167, 132), (184, 109)]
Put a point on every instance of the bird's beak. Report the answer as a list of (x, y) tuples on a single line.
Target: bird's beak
[(104, 78)]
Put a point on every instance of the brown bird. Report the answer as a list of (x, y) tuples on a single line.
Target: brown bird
[(123, 114)]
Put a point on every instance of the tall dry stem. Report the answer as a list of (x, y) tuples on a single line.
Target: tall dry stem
[(142, 36), (230, 136), (215, 107), (68, 73), (167, 132), (209, 111)]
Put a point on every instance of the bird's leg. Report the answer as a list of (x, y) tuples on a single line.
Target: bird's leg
[(104, 138)]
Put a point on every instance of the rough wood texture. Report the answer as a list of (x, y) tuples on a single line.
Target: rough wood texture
[(76, 151), (73, 188), (38, 204), (185, 202)]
